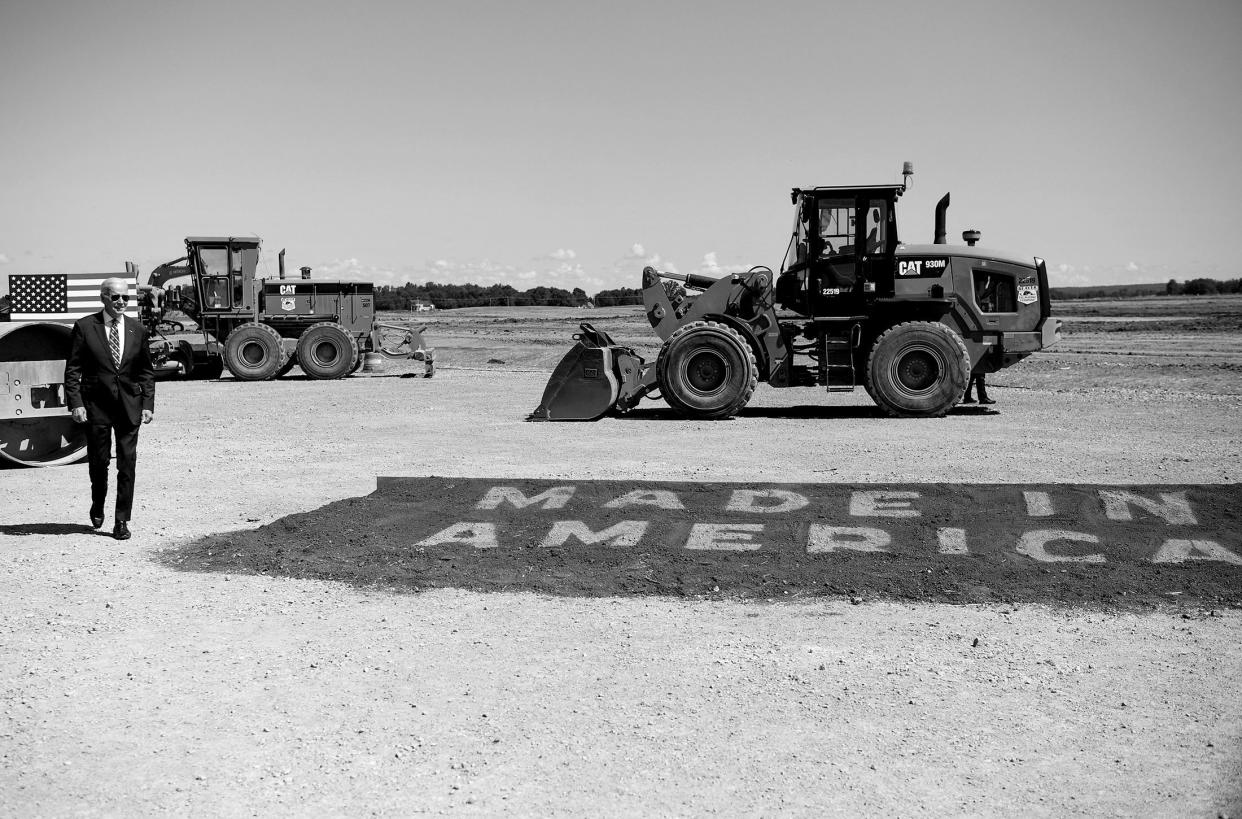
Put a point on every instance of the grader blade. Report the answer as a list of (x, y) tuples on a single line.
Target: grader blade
[(584, 386)]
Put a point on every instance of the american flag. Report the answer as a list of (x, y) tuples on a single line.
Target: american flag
[(60, 297)]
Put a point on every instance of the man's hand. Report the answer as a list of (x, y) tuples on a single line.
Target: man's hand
[(79, 415), (147, 415)]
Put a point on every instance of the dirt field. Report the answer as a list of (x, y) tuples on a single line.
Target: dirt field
[(133, 684)]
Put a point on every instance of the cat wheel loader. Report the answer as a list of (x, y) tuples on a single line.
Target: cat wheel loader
[(851, 305)]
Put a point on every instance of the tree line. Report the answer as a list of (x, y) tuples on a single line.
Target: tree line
[(447, 296), (1191, 287)]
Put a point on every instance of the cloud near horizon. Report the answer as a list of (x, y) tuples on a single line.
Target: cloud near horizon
[(1069, 275), (558, 268), (711, 266), (562, 268)]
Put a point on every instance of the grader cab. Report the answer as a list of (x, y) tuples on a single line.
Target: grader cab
[(851, 305)]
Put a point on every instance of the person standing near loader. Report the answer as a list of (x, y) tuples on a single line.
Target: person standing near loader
[(110, 387), (977, 382)]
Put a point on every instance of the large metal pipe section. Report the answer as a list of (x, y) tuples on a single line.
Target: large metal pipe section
[(35, 426)]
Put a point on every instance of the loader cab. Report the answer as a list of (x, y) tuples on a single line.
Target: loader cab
[(840, 254), (224, 269)]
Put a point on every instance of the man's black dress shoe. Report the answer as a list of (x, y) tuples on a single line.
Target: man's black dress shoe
[(987, 400), (121, 530), (96, 520)]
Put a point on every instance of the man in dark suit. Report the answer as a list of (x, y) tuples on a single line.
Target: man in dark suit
[(110, 386)]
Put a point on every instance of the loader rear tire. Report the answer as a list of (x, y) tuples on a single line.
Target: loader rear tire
[(326, 351), (254, 352), (706, 370), (918, 369)]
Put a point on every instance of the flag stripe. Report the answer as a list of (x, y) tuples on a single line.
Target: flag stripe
[(60, 297)]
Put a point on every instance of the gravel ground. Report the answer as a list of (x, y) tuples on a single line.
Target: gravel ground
[(130, 688)]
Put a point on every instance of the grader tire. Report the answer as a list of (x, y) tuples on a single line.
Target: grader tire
[(253, 352), (326, 351), (918, 369), (706, 370)]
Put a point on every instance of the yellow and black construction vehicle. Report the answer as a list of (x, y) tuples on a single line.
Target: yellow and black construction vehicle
[(852, 305), (260, 328), (257, 328)]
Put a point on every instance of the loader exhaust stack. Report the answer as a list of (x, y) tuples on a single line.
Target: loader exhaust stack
[(942, 208)]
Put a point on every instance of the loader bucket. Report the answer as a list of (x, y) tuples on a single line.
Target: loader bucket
[(584, 386), (35, 426)]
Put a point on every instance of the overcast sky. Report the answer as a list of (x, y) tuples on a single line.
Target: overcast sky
[(568, 144)]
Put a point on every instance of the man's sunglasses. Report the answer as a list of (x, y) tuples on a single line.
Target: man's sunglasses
[(114, 297)]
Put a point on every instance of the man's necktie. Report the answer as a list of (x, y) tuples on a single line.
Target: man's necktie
[(114, 340)]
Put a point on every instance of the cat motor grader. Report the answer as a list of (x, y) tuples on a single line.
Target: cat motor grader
[(260, 328), (851, 305)]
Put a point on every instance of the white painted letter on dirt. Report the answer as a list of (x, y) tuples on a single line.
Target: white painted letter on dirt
[(1174, 507), (1035, 545), (625, 533), (727, 537), (748, 500), (882, 503), (478, 535), (659, 498), (1038, 504), (952, 541), (554, 498), (1179, 551), (823, 538)]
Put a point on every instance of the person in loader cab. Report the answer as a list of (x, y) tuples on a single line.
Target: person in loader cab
[(110, 387)]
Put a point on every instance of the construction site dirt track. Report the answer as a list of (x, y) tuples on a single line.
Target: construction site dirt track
[(136, 681)]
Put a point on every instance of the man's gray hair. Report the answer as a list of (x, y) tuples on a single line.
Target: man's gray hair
[(114, 280)]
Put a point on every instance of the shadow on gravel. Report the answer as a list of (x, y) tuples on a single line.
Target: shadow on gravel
[(804, 411), (49, 529), (922, 542), (810, 412)]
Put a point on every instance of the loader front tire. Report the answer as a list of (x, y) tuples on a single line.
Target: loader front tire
[(326, 351), (918, 369), (706, 370), (254, 352)]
